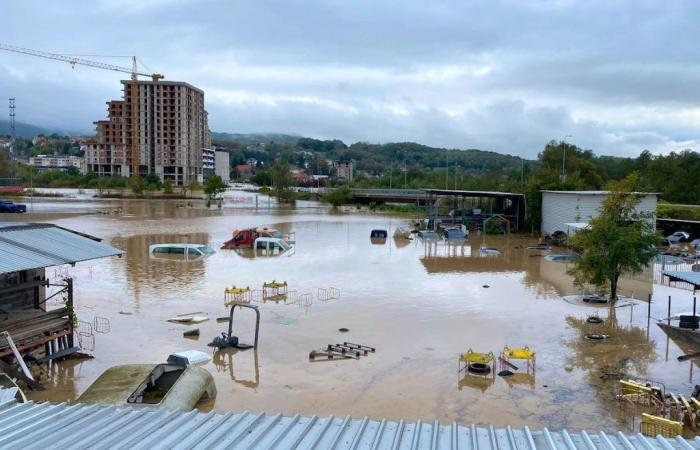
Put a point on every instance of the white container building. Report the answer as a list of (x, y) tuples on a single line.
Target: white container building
[(568, 211)]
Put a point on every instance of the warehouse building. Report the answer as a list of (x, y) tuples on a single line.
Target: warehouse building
[(567, 211)]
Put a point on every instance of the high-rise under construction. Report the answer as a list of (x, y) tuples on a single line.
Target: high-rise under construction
[(171, 132)]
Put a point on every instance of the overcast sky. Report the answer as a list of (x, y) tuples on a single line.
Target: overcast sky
[(508, 76)]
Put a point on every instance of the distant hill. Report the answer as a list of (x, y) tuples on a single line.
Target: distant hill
[(29, 131), (256, 138)]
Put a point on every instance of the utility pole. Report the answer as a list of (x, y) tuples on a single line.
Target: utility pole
[(447, 169), (12, 128), (391, 171), (405, 172), (563, 160)]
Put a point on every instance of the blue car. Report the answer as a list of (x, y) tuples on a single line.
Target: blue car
[(6, 206)]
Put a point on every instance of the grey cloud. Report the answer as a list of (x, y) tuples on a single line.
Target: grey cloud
[(506, 75)]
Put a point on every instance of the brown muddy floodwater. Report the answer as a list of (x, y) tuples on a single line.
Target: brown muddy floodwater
[(419, 305)]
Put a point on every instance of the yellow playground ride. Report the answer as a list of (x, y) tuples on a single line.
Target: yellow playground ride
[(523, 354), (477, 364), (275, 291), (662, 413), (237, 296)]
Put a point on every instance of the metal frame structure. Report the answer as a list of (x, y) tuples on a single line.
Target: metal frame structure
[(510, 205), (257, 320)]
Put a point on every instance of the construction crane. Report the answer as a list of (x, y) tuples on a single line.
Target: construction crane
[(134, 89)]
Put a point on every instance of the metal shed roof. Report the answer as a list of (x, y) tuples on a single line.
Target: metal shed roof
[(595, 192), (686, 277), (49, 425), (32, 246), (456, 192)]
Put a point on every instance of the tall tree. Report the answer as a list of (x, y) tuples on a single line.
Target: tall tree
[(619, 240)]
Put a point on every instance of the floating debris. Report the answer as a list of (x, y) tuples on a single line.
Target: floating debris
[(191, 333), (343, 330), (594, 319), (596, 337), (346, 350), (188, 318), (505, 373)]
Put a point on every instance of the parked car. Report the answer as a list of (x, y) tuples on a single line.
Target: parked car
[(6, 206), (678, 236), (454, 234)]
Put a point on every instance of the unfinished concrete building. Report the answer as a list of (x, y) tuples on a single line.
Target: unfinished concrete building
[(172, 132)]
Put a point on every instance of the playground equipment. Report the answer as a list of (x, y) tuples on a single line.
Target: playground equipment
[(237, 296), (523, 354), (325, 294), (477, 364), (274, 291), (663, 413), (654, 426)]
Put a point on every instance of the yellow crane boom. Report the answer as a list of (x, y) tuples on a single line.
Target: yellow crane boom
[(134, 89)]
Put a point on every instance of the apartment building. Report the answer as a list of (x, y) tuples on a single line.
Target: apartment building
[(344, 170), (171, 135), (46, 162)]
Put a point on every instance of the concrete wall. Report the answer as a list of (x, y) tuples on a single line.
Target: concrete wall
[(223, 165), (560, 208)]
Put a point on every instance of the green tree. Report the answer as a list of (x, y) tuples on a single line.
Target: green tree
[(167, 187), (192, 186), (620, 240), (340, 196), (137, 185), (213, 186), (281, 182)]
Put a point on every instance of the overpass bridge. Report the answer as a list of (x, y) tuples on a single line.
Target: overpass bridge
[(451, 206)]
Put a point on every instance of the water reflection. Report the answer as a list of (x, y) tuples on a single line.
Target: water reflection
[(225, 361), (625, 350), (164, 274)]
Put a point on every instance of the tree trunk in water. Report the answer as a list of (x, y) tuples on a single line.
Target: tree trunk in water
[(613, 290)]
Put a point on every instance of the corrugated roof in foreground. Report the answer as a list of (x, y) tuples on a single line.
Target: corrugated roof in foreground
[(48, 425), (31, 246)]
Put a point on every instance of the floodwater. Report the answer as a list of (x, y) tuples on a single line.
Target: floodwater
[(419, 305)]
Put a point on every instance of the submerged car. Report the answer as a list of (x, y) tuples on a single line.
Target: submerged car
[(269, 246), (678, 237), (428, 235), (454, 234), (189, 251), (562, 257)]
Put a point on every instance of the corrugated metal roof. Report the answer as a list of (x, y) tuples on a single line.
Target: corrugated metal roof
[(31, 246), (49, 425), (595, 192), (688, 277)]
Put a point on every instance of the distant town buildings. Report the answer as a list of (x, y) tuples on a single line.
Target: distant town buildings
[(344, 170), (44, 162), (245, 171), (172, 133)]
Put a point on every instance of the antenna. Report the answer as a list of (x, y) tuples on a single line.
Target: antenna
[(12, 127)]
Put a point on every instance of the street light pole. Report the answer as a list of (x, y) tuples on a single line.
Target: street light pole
[(563, 160)]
